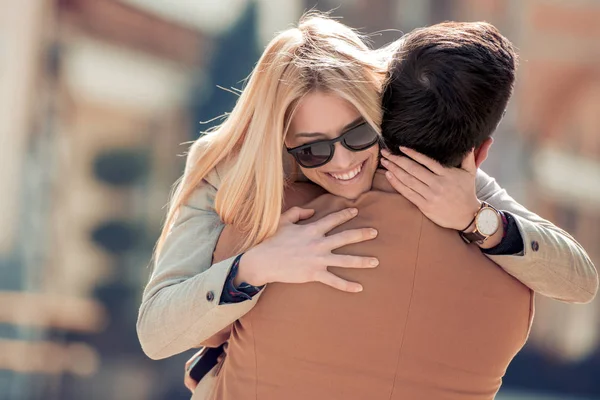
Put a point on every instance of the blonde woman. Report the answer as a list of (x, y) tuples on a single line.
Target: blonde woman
[(235, 175)]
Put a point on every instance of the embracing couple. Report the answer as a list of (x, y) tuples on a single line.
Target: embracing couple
[(336, 238)]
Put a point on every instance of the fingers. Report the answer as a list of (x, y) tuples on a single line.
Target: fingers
[(336, 282), (468, 163), (332, 220), (430, 163), (344, 261), (409, 166), (190, 383), (193, 359), (405, 191), (405, 175), (295, 214), (349, 236)]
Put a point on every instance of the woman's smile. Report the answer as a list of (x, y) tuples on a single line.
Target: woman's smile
[(347, 177)]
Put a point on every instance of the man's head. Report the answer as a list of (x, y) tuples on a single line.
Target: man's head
[(448, 88)]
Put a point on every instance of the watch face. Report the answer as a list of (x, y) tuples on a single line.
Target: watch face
[(488, 221)]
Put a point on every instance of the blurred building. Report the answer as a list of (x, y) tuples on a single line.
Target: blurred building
[(94, 106)]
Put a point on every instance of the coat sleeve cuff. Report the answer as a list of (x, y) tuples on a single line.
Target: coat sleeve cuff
[(233, 294)]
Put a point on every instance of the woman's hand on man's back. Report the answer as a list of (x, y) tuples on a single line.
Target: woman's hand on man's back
[(302, 253)]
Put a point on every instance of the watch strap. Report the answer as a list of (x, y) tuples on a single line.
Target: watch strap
[(472, 236)]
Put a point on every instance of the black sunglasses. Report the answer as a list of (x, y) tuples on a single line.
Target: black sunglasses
[(358, 138)]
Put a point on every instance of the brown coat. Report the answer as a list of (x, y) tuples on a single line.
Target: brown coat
[(436, 320)]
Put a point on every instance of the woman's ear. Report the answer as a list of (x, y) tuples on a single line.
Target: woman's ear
[(481, 153)]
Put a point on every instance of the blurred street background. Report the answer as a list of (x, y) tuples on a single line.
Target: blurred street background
[(96, 98)]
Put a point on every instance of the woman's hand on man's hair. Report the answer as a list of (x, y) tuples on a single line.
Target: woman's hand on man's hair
[(446, 196)]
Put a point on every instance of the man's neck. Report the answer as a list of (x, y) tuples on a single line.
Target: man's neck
[(381, 183)]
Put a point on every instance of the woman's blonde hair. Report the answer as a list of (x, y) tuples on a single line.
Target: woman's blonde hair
[(320, 54)]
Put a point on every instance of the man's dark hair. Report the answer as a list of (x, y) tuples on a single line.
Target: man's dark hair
[(448, 88)]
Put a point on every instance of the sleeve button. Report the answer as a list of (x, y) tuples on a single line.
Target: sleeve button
[(535, 246), (210, 296)]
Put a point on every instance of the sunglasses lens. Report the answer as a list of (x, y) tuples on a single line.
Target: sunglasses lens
[(314, 155), (361, 137)]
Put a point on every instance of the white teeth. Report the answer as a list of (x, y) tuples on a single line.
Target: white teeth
[(348, 175)]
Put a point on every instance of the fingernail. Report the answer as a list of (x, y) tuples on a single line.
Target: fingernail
[(388, 175), (374, 262), (385, 162), (374, 232), (354, 211), (359, 289), (402, 148)]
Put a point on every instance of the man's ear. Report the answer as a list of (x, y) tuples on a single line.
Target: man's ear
[(481, 153)]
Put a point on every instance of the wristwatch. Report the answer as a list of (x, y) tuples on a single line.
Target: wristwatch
[(487, 222)]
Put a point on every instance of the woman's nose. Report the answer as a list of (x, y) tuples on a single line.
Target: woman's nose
[(342, 158)]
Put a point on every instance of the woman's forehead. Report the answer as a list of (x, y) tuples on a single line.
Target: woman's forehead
[(323, 113)]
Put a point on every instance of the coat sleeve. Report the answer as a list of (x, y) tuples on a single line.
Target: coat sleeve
[(180, 305), (552, 263)]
